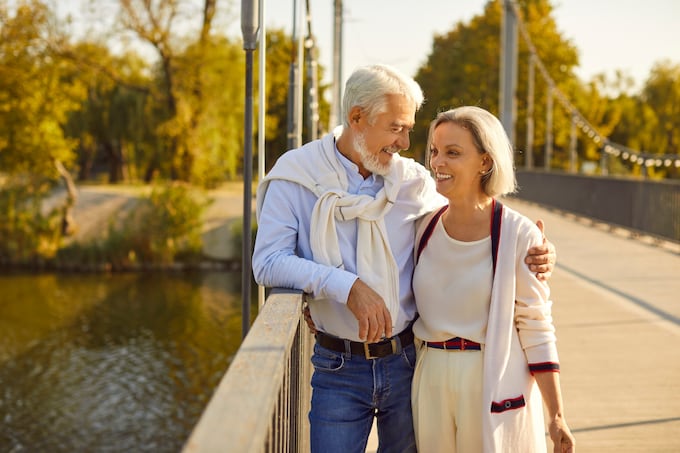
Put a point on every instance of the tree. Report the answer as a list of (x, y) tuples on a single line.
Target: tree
[(193, 75), (559, 57), (662, 94), (213, 113), (594, 102), (463, 68), (152, 22), (34, 105), (111, 125), (34, 102)]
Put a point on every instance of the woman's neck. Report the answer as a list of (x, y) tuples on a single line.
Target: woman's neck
[(467, 218)]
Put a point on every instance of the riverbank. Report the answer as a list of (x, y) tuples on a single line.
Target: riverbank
[(98, 206)]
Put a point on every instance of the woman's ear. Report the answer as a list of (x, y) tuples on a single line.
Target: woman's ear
[(487, 164)]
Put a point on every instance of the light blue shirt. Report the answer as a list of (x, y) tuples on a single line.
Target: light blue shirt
[(283, 255)]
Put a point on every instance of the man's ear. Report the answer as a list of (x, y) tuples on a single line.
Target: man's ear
[(355, 114)]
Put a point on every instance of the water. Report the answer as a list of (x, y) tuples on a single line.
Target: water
[(112, 363)]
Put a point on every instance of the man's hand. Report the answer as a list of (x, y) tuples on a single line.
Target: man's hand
[(371, 312), (541, 259)]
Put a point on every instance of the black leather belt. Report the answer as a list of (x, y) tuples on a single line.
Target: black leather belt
[(377, 350)]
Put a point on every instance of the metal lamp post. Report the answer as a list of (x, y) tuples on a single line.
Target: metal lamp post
[(250, 25)]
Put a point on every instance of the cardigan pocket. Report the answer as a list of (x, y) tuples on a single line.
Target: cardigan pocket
[(508, 404)]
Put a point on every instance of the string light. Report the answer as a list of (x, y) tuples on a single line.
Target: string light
[(648, 159)]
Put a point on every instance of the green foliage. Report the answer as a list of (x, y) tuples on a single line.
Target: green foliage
[(463, 69), (649, 121), (111, 121), (210, 87), (28, 232), (662, 94), (560, 57), (168, 222), (34, 100), (163, 227), (118, 117), (179, 114)]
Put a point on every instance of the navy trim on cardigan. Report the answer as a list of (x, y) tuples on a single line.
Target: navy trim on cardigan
[(509, 404), (544, 367)]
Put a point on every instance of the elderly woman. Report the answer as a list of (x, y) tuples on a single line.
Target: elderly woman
[(488, 349)]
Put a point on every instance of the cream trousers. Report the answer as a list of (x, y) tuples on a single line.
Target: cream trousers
[(447, 400)]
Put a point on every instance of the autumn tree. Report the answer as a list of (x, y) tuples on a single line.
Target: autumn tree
[(463, 69), (662, 94), (650, 121), (199, 83), (210, 111), (35, 99), (112, 126)]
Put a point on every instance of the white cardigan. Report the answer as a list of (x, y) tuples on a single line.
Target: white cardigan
[(519, 332)]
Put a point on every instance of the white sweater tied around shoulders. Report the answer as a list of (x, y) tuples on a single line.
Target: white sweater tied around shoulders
[(316, 167)]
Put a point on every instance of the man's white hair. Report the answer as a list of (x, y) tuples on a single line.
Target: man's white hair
[(369, 86)]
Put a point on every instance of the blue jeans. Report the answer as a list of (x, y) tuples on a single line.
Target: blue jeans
[(349, 390)]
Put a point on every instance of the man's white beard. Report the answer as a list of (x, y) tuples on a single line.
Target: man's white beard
[(370, 161)]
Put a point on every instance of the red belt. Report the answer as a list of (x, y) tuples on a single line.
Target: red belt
[(457, 343)]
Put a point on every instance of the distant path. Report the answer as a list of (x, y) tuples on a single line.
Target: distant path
[(99, 205), (225, 211)]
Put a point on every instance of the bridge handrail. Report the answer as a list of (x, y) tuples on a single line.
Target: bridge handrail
[(649, 207), (261, 403)]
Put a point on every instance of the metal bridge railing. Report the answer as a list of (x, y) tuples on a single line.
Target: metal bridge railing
[(261, 403), (650, 207)]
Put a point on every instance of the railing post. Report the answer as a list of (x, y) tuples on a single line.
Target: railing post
[(604, 161), (548, 128), (573, 161), (529, 159)]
